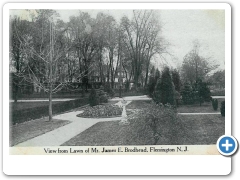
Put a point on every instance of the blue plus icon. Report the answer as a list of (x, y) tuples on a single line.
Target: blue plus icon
[(227, 145)]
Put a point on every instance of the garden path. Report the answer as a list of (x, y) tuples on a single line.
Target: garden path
[(65, 133), (131, 98), (197, 113), (218, 97)]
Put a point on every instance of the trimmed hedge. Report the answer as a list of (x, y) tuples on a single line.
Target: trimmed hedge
[(222, 109), (24, 115), (215, 104)]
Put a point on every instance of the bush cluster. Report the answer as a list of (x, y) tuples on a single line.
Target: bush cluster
[(93, 98), (196, 93), (165, 91), (222, 109), (109, 90), (215, 104), (101, 111), (98, 96), (156, 115)]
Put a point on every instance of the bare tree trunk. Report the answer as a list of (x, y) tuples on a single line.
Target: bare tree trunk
[(50, 73), (50, 102)]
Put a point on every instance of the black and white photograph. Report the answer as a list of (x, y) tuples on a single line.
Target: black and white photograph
[(118, 80)]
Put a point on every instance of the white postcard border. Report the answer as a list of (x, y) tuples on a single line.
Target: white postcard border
[(114, 164)]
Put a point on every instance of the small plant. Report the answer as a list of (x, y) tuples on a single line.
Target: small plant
[(109, 90), (222, 109), (93, 98), (103, 98), (156, 115), (215, 104), (101, 111)]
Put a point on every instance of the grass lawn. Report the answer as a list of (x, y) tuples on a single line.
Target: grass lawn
[(46, 96), (28, 130), (138, 104), (202, 129), (206, 107), (188, 129), (196, 108)]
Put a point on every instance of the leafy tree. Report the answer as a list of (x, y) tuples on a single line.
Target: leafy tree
[(157, 75), (215, 104), (218, 79), (176, 80), (93, 98), (165, 91), (152, 82), (19, 30), (195, 66), (204, 92), (141, 36), (187, 94), (222, 108)]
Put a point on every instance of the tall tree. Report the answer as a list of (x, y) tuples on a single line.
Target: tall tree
[(194, 66), (141, 37), (19, 29), (165, 92), (45, 55), (176, 80)]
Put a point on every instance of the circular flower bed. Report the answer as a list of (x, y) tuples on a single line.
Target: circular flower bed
[(101, 111)]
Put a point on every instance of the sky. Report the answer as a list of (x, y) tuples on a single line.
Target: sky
[(180, 28)]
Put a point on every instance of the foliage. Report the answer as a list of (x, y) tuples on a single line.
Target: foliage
[(215, 104), (155, 115), (152, 82), (218, 93), (199, 92), (218, 79), (101, 111), (176, 80), (195, 66), (203, 91), (93, 98), (103, 97), (222, 109), (187, 94), (109, 90), (177, 97), (157, 75), (165, 91)]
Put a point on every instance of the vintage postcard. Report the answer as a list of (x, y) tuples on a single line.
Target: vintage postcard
[(146, 80)]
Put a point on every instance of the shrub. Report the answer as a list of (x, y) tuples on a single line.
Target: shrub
[(164, 92), (101, 111), (109, 90), (204, 91), (155, 115), (222, 108), (177, 97), (187, 94), (152, 82), (103, 98), (218, 93), (93, 98), (215, 104)]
